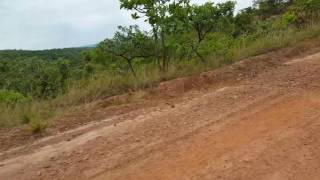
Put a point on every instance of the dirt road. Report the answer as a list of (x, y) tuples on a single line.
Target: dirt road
[(262, 123)]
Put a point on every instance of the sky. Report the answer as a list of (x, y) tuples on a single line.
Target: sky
[(47, 24)]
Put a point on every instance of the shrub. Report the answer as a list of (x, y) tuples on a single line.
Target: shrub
[(35, 120), (11, 97), (37, 126), (289, 18)]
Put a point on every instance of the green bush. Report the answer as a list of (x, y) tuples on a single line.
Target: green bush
[(289, 18), (11, 97), (37, 126)]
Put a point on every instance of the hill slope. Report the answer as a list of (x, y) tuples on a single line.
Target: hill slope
[(256, 119)]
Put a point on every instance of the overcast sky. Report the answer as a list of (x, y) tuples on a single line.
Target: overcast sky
[(45, 24)]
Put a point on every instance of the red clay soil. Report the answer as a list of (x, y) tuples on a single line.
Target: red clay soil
[(164, 94), (256, 119)]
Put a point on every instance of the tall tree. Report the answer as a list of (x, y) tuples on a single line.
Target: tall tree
[(157, 14), (207, 18), (267, 8), (129, 44)]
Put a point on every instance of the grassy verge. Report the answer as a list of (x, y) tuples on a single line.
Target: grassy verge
[(37, 114)]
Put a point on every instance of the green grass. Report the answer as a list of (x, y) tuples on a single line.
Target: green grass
[(33, 114), (36, 115), (274, 41)]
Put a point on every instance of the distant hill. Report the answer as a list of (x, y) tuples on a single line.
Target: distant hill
[(50, 55), (89, 46)]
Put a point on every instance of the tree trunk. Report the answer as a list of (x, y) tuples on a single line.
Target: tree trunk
[(131, 68), (194, 49), (164, 51)]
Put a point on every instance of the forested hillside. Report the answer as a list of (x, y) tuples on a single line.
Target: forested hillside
[(40, 74), (73, 54), (185, 39)]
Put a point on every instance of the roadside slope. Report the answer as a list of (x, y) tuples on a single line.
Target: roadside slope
[(265, 124)]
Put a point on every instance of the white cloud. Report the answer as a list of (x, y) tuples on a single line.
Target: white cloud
[(42, 24)]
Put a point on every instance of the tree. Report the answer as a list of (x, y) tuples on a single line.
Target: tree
[(268, 8), (244, 22), (207, 18), (63, 66), (157, 14), (49, 82), (304, 12), (129, 44), (154, 11)]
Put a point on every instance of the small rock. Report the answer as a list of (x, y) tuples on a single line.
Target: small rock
[(46, 166), (39, 174)]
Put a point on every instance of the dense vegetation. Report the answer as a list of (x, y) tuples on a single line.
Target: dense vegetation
[(40, 74), (184, 39)]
